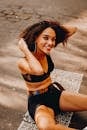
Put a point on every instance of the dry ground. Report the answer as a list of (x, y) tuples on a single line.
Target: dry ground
[(15, 16)]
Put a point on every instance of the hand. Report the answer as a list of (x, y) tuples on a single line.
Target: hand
[(22, 45), (71, 30)]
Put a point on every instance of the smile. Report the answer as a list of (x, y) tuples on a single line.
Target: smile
[(48, 48)]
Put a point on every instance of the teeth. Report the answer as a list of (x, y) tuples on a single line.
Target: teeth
[(48, 48)]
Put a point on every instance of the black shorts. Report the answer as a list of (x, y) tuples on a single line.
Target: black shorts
[(49, 99)]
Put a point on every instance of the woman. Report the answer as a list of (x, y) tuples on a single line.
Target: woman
[(46, 99)]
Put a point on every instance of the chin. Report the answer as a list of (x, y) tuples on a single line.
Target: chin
[(47, 52)]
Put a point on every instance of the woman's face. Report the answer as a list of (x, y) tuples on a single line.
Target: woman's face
[(46, 40)]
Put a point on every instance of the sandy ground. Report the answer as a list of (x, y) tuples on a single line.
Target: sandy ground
[(14, 17)]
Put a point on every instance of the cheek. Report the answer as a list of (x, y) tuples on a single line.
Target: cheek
[(40, 43), (41, 46)]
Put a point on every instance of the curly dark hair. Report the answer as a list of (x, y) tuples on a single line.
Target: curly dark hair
[(32, 32)]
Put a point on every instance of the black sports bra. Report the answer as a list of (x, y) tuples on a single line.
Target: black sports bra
[(38, 78)]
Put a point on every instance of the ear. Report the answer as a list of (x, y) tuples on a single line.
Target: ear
[(70, 30)]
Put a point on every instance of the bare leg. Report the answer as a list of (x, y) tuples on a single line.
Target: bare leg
[(73, 102), (44, 118)]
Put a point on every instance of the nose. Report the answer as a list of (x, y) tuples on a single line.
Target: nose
[(50, 42)]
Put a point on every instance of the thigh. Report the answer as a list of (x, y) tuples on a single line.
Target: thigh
[(44, 114), (72, 101)]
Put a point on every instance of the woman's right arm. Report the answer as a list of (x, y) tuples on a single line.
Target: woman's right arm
[(29, 64)]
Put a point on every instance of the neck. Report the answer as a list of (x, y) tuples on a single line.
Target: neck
[(39, 54)]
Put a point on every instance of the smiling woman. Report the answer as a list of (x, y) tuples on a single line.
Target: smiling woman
[(46, 40), (46, 98)]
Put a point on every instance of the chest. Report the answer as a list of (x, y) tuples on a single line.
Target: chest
[(44, 64)]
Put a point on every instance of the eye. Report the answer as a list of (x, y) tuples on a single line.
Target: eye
[(53, 39), (45, 38)]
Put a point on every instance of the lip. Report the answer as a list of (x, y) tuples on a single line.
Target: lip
[(48, 48)]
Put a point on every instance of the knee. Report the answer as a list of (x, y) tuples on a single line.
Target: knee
[(44, 118), (43, 125), (43, 110)]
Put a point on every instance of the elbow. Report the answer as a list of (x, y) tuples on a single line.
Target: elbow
[(19, 65)]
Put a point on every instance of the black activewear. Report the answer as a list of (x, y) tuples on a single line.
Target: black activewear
[(38, 78), (49, 98)]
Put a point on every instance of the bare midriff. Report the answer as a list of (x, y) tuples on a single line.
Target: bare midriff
[(38, 85)]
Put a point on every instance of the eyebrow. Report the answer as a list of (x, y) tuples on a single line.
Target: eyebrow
[(48, 35)]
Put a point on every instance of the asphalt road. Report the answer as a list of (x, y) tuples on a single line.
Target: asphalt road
[(14, 17)]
